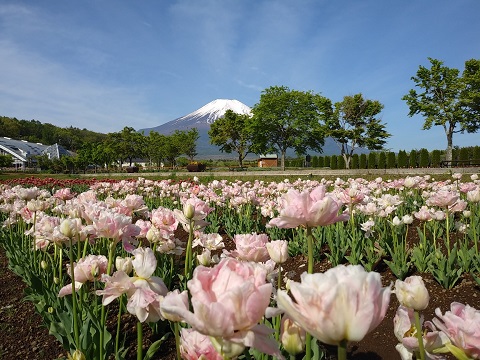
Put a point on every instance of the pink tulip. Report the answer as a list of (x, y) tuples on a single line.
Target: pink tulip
[(462, 326), (228, 302), (308, 208), (196, 346), (405, 331), (89, 268), (250, 247), (344, 303), (443, 198)]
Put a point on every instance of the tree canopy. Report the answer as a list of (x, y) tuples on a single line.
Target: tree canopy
[(447, 98), (233, 133), (285, 118), (355, 123)]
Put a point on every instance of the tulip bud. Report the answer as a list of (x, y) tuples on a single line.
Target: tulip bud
[(124, 264), (412, 293), (292, 336), (205, 258), (227, 349), (77, 355), (50, 310), (278, 250), (44, 265), (56, 280), (189, 211)]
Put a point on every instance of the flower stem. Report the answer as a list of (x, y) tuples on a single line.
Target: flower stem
[(308, 339), (177, 339), (310, 249), (188, 250), (419, 336), (119, 321), (342, 350), (74, 299), (139, 341)]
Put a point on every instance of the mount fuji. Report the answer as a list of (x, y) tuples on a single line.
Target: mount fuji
[(202, 118)]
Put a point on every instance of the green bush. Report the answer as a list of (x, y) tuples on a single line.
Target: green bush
[(321, 162), (382, 160), (333, 162), (363, 161), (372, 160), (435, 157), (476, 153), (391, 160), (327, 161), (354, 162), (340, 162), (424, 158), (412, 159), (402, 159)]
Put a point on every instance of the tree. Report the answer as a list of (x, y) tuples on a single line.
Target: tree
[(412, 158), (363, 161), (372, 160), (447, 99), (128, 144), (391, 160), (402, 159), (188, 141), (382, 160), (435, 157), (355, 124), (233, 133), (6, 160), (285, 118), (424, 158)]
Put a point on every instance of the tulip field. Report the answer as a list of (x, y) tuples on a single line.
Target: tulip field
[(292, 269)]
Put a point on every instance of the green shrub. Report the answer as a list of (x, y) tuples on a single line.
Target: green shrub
[(402, 159), (354, 162), (333, 162), (363, 161), (340, 162), (327, 161), (382, 160), (424, 158), (391, 160), (321, 162), (372, 160), (412, 159), (435, 157)]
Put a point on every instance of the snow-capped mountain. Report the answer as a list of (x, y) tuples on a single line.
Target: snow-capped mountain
[(201, 118)]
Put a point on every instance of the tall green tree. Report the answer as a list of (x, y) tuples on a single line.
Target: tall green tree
[(128, 144), (188, 141), (355, 123), (233, 133), (285, 118), (447, 99)]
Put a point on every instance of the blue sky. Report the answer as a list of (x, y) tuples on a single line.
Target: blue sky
[(103, 65)]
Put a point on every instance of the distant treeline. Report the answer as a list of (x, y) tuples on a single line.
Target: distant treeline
[(34, 131), (390, 160)]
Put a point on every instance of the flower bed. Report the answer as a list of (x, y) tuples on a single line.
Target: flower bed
[(393, 228)]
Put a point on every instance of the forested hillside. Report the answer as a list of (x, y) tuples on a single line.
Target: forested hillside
[(34, 131)]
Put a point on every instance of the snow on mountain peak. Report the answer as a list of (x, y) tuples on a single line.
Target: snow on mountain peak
[(217, 108)]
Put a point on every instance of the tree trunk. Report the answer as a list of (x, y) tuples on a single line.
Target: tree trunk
[(448, 152), (283, 159), (347, 160), (240, 160)]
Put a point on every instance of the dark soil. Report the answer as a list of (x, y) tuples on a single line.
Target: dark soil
[(22, 335)]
